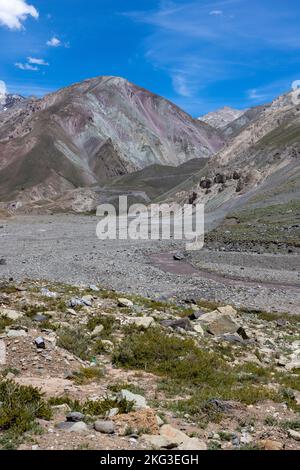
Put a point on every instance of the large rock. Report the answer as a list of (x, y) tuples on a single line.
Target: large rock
[(219, 322), (228, 309), (138, 400)]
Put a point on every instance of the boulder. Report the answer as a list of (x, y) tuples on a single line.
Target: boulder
[(218, 323), (228, 309)]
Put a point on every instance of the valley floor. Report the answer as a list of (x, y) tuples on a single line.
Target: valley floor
[(65, 248)]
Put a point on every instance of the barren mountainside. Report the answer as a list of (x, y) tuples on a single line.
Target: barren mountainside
[(88, 132)]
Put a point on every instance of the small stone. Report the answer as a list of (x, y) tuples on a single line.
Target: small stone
[(2, 353), (80, 426), (179, 256), (75, 417), (87, 300), (11, 314), (61, 409), (139, 400), (122, 302), (195, 315), (112, 413), (143, 322), (294, 434), (241, 331), (183, 323), (160, 422), (39, 318), (40, 343), (47, 293), (198, 328), (16, 333), (105, 427), (94, 288), (72, 312), (108, 345), (97, 330)]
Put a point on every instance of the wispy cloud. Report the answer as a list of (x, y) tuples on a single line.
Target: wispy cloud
[(27, 67), (35, 61), (216, 13), (13, 13), (197, 52)]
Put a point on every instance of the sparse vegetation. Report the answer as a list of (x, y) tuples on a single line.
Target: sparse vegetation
[(20, 406), (75, 341)]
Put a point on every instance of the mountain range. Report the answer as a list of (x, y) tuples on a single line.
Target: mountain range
[(86, 133), (105, 136)]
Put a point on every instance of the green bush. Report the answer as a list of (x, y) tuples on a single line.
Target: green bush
[(75, 341), (20, 406)]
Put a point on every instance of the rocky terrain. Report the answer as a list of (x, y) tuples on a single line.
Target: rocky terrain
[(89, 368), (139, 344)]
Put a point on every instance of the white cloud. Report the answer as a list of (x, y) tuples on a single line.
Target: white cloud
[(14, 12), (34, 61), (181, 85), (54, 42), (21, 66), (3, 89), (216, 13)]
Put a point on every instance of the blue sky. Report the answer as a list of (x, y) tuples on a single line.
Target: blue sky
[(199, 54)]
